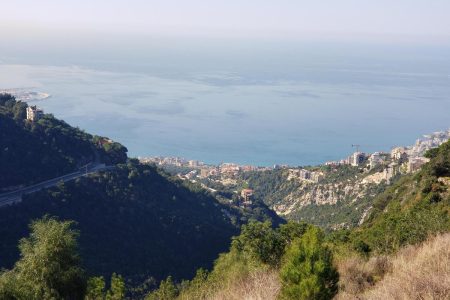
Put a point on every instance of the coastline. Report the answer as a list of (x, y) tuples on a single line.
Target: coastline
[(26, 94)]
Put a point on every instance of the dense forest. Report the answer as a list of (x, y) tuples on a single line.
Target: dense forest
[(136, 220)]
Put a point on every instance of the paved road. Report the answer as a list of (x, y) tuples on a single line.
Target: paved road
[(16, 196)]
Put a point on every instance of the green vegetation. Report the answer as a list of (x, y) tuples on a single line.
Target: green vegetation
[(305, 261), (270, 186), (414, 208), (339, 187), (50, 268), (136, 220), (308, 271), (345, 212), (31, 152), (259, 247), (258, 211), (139, 222), (96, 288)]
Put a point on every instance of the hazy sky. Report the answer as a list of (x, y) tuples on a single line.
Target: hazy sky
[(411, 19)]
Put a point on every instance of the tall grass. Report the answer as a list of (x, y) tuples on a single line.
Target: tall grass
[(415, 272), (421, 272), (259, 285), (235, 277)]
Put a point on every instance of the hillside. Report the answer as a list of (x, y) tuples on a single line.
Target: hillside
[(415, 272), (387, 257), (410, 210), (340, 199), (135, 220), (31, 152)]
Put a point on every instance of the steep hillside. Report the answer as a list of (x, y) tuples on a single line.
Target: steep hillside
[(134, 220), (340, 199), (413, 208), (400, 252), (31, 152)]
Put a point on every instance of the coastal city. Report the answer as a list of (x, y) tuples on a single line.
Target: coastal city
[(380, 166), (405, 159)]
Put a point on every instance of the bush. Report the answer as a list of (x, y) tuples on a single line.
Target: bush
[(307, 271)]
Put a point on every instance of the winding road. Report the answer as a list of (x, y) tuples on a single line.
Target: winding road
[(16, 196)]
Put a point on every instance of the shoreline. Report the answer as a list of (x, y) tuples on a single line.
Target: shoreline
[(26, 94)]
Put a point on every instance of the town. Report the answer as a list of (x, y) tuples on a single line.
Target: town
[(380, 166)]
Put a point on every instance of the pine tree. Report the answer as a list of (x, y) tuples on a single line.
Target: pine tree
[(307, 271)]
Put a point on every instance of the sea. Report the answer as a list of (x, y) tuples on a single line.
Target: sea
[(258, 102)]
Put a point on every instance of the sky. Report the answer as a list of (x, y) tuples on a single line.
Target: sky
[(413, 20)]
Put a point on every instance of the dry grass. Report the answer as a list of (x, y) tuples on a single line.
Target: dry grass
[(416, 272), (357, 275), (235, 276), (260, 285)]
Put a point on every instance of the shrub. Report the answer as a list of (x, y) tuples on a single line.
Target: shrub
[(307, 271)]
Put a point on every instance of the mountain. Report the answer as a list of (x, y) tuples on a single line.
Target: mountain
[(400, 250), (135, 220)]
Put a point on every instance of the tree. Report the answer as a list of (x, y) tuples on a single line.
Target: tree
[(292, 230), (166, 291), (49, 265), (260, 242), (307, 271), (96, 288), (5, 98), (20, 110), (117, 290)]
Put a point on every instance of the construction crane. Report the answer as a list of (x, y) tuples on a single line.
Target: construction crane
[(356, 146)]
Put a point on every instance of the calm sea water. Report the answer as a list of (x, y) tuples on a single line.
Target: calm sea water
[(258, 103)]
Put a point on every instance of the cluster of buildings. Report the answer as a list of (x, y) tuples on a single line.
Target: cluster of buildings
[(356, 159), (400, 159), (305, 175), (174, 161), (427, 142), (202, 169), (411, 159)]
